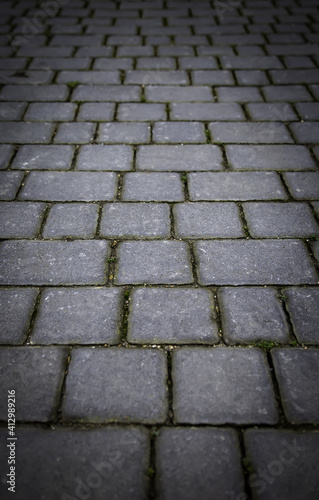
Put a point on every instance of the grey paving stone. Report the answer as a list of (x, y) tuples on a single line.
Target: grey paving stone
[(248, 62), (162, 77), (20, 220), (78, 316), (303, 186), (286, 93), (166, 50), (78, 40), (20, 133), (10, 111), (104, 93), (263, 262), (214, 372), (60, 63), (34, 92), (50, 111), (107, 463), (226, 186), (16, 306), (179, 158), (74, 220), (98, 157), (69, 186), (74, 133), (197, 63), (250, 133), (284, 220), (170, 132), (98, 51), (303, 307), (217, 50), (196, 462), (270, 158), (297, 372), (125, 385), (37, 398), (308, 110), (298, 62), (206, 111), (295, 76), (315, 249), (53, 262), (159, 186), (156, 63), (252, 77), (124, 133), (166, 93), (281, 460), (238, 94), (172, 316), (141, 112), (213, 77), (43, 158), (114, 63), (262, 111), (135, 51), (135, 220), (6, 151), (207, 220), (305, 133), (252, 314), (154, 262), (9, 184), (90, 77), (93, 111), (315, 205)]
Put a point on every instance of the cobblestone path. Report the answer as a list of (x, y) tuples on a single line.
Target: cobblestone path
[(159, 254)]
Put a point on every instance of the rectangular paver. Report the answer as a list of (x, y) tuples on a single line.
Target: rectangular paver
[(179, 158)]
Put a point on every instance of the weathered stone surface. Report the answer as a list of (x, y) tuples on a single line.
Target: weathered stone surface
[(179, 158), (20, 220), (303, 307), (16, 306)]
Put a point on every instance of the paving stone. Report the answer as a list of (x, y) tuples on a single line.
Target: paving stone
[(51, 111), (194, 462), (78, 40), (303, 307), (303, 186), (238, 94), (104, 93), (127, 133), (9, 184), (179, 158), (250, 133), (74, 133), (90, 77), (73, 220), (20, 133), (34, 93), (226, 186), (172, 316), (159, 186), (43, 158), (263, 262), (216, 371), (154, 262), (170, 132), (214, 77), (166, 50), (16, 306), (97, 157), (206, 111), (91, 111), (207, 220), (262, 111), (297, 372), (37, 398), (156, 77), (155, 63), (315, 249), (78, 316), (305, 133), (252, 77), (135, 220), (125, 385), (94, 461), (10, 111), (281, 460), (69, 186), (20, 220), (286, 93), (252, 314), (141, 112), (308, 110), (166, 93), (197, 63), (295, 76), (315, 205), (280, 220), (135, 51), (248, 62), (270, 158), (6, 151), (53, 262), (97, 51), (111, 63), (60, 63)]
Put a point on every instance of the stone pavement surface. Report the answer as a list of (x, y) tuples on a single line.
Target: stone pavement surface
[(159, 253)]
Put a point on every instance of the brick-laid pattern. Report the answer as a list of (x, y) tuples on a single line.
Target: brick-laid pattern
[(159, 253)]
